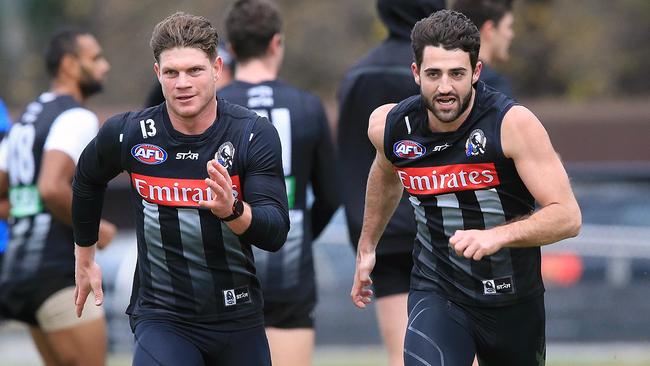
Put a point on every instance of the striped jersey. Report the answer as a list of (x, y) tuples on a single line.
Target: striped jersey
[(461, 180), (40, 245), (307, 160), (190, 266)]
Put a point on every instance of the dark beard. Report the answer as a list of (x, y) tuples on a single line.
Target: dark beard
[(464, 104), (88, 85)]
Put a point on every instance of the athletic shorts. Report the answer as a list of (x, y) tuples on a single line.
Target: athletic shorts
[(166, 343), (392, 274), (48, 305), (441, 332), (290, 314)]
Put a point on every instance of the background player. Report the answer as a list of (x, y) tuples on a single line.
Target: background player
[(382, 76), (494, 20), (476, 285), (196, 299), (254, 29), (43, 146)]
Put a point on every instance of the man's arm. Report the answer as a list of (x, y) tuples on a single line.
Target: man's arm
[(265, 219), (525, 140), (98, 164), (383, 194)]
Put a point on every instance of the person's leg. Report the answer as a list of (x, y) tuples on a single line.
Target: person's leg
[(43, 347), (438, 332), (246, 348), (391, 277), (291, 347), (513, 335), (290, 331), (392, 319), (159, 343), (71, 340)]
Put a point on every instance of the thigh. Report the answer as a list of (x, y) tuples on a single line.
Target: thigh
[(246, 348), (291, 347), (437, 333), (159, 343), (513, 335), (392, 274)]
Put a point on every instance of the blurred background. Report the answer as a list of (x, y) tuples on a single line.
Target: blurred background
[(580, 65)]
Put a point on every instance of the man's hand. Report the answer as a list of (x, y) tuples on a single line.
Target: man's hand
[(474, 244), (221, 185), (106, 233), (88, 277), (361, 295)]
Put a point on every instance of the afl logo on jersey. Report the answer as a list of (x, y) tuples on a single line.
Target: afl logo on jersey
[(225, 154), (408, 149), (149, 154), (475, 144)]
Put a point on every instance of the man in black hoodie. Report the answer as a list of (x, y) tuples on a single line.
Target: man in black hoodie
[(382, 76)]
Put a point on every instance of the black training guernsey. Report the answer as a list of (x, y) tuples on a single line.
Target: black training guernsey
[(308, 159), (191, 266), (461, 180), (41, 246)]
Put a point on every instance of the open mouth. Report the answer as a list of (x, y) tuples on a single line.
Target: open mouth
[(446, 101)]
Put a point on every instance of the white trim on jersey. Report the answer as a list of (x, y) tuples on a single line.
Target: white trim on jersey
[(71, 131)]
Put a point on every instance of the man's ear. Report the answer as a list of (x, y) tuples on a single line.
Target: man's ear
[(217, 67), (416, 72), (477, 72), (69, 65), (487, 30), (156, 69), (276, 43)]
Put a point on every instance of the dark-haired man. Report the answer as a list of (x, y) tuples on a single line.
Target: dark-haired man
[(381, 76), (494, 20), (42, 149), (206, 184), (254, 29), (463, 152)]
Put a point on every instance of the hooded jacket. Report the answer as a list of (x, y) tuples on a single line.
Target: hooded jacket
[(382, 76)]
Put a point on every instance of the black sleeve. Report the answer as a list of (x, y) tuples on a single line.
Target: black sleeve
[(264, 189), (155, 95), (323, 178), (98, 164)]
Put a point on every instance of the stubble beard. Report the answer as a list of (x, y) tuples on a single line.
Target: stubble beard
[(447, 117)]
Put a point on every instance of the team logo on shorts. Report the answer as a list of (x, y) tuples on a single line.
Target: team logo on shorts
[(497, 286), (149, 154), (236, 296), (475, 144), (408, 149), (225, 154)]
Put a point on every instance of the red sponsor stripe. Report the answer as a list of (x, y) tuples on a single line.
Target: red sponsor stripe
[(175, 192), (448, 178)]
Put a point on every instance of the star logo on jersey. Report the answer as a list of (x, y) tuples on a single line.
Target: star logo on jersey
[(497, 286), (236, 296), (225, 155), (475, 144)]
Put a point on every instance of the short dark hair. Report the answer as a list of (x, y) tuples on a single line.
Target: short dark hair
[(448, 29), (184, 30), (480, 11), (63, 42), (250, 25)]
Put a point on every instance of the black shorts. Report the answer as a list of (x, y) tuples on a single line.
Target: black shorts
[(20, 300), (441, 332), (164, 342), (392, 274), (290, 314)]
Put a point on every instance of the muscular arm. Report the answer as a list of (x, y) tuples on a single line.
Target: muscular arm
[(57, 169), (525, 140), (383, 194)]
